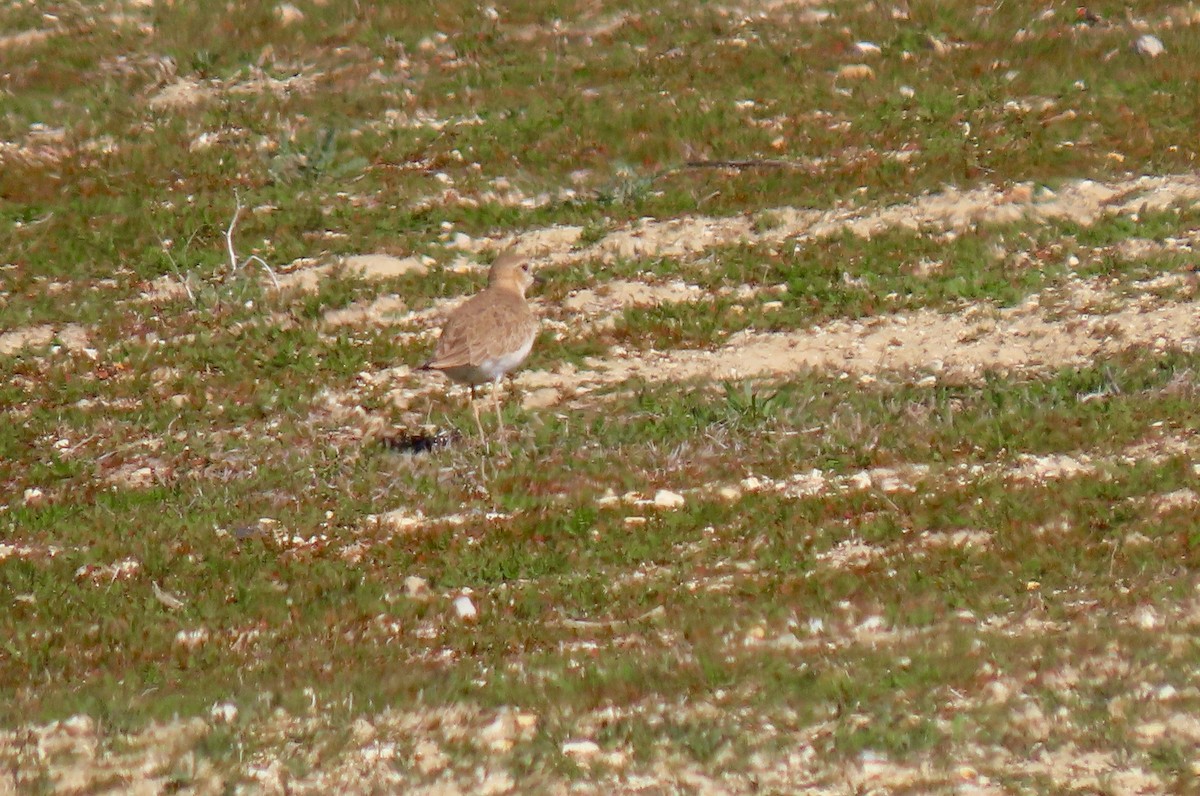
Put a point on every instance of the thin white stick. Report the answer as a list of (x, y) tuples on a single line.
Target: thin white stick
[(233, 263), (255, 258)]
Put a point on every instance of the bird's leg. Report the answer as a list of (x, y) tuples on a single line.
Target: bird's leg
[(496, 401), (478, 425)]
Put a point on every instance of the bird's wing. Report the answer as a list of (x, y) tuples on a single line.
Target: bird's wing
[(482, 329), (521, 325), (454, 346), (463, 334)]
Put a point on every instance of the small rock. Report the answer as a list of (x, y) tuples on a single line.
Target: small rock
[(787, 642), (998, 692), (875, 765), (1146, 618), (580, 749), (873, 624), (191, 639), (78, 725), (224, 712), (937, 45), (1021, 193), (666, 499), (34, 496), (501, 734), (1137, 539), (860, 480), (856, 72), (616, 759), (464, 609), (140, 478), (429, 757), (1149, 46), (288, 14), (416, 587), (730, 493), (867, 48), (609, 498), (363, 731)]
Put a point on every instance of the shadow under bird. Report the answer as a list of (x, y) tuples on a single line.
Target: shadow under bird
[(490, 334)]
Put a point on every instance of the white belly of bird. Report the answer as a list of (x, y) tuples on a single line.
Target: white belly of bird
[(496, 368), (491, 369)]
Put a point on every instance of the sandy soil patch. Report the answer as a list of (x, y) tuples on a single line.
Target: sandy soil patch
[(963, 345), (1080, 201), (72, 336)]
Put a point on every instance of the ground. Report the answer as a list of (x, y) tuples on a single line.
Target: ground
[(857, 453)]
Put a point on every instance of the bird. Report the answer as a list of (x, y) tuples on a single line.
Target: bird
[(490, 334)]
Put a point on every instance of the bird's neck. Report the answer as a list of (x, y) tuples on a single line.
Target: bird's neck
[(508, 290)]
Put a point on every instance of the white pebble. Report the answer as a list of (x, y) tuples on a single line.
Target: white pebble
[(464, 608), (1149, 46), (581, 748), (191, 639), (288, 14), (224, 712), (1146, 618), (79, 725), (666, 499), (873, 624)]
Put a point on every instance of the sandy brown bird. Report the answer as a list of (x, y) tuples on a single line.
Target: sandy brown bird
[(490, 334)]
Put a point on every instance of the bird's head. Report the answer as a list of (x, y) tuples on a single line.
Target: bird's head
[(512, 271)]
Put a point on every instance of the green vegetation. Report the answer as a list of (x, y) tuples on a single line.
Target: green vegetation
[(202, 497)]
